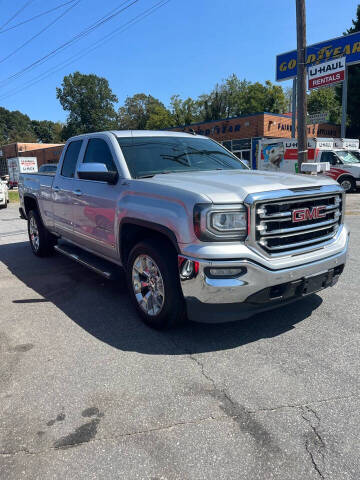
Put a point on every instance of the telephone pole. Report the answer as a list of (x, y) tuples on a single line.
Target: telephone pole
[(301, 82)]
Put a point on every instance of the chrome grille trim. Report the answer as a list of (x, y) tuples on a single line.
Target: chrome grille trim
[(301, 228), (272, 232), (290, 201), (301, 244), (283, 216)]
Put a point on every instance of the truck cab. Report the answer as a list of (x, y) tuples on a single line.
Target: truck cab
[(344, 167)]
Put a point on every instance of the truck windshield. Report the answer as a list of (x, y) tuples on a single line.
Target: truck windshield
[(148, 156), (347, 157), (356, 153)]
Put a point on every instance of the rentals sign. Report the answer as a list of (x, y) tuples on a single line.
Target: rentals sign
[(327, 73), (347, 46)]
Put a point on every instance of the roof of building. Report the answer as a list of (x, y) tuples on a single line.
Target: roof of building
[(285, 115)]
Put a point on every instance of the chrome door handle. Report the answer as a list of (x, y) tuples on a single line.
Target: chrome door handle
[(78, 193)]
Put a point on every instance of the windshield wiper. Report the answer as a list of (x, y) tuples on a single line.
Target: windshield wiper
[(150, 175), (176, 158)]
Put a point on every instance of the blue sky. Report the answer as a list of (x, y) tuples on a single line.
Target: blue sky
[(185, 47)]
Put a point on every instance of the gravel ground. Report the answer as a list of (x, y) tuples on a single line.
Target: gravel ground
[(88, 392)]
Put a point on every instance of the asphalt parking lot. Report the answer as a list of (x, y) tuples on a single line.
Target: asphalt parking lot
[(88, 392)]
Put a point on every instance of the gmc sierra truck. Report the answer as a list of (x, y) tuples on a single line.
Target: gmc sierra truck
[(198, 234)]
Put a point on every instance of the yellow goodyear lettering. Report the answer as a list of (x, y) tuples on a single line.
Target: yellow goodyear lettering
[(336, 51), (325, 51), (292, 64), (356, 47), (283, 67), (321, 53), (311, 58), (328, 52), (347, 50)]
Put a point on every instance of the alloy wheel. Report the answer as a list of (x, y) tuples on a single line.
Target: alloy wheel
[(148, 285), (346, 185), (34, 234)]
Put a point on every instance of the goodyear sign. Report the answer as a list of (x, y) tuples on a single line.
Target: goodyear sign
[(347, 46)]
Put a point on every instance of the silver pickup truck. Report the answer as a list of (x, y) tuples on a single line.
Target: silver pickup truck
[(198, 234)]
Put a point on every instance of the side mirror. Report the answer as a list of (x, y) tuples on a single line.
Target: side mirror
[(97, 172)]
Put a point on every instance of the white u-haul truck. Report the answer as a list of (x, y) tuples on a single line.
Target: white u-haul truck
[(343, 155), (18, 165)]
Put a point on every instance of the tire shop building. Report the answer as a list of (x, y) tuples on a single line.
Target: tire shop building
[(241, 134)]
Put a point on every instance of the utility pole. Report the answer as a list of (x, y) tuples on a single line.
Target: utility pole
[(301, 82), (344, 103), (293, 110)]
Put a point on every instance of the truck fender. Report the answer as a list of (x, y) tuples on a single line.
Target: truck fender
[(33, 199), (155, 227)]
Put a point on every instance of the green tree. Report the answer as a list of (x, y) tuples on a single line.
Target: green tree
[(264, 98), (159, 118), (235, 97), (90, 103), (353, 108), (325, 100), (183, 112), (15, 127), (142, 111), (47, 131)]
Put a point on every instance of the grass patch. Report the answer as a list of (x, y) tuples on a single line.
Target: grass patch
[(13, 196)]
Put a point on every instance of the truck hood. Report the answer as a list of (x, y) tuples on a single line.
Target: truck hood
[(231, 186)]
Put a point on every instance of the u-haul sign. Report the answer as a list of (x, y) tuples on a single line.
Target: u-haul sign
[(327, 73)]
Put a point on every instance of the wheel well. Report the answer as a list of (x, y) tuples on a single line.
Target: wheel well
[(345, 175), (131, 234), (30, 204)]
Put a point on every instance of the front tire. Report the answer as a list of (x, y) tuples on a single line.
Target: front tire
[(41, 240), (154, 285), (348, 184)]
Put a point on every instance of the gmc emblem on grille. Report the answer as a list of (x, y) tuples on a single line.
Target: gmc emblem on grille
[(303, 214)]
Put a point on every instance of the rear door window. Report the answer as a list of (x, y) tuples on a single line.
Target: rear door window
[(70, 159)]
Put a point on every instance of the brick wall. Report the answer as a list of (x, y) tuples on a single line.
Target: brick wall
[(257, 125), (15, 149), (50, 154), (280, 126), (233, 128)]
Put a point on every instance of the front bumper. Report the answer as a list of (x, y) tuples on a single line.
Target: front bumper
[(216, 300)]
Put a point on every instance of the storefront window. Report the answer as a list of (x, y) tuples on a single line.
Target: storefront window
[(243, 144)]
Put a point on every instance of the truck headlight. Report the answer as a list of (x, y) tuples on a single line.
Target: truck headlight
[(220, 222)]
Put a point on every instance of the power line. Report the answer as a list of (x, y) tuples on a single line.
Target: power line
[(87, 50), (16, 13), (40, 32), (36, 16), (106, 18)]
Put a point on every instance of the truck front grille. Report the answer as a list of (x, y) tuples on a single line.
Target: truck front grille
[(285, 226)]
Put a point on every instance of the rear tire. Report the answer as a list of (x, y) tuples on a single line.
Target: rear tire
[(153, 281), (348, 184), (41, 240)]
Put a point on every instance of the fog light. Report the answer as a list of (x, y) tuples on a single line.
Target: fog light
[(187, 268), (225, 272)]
